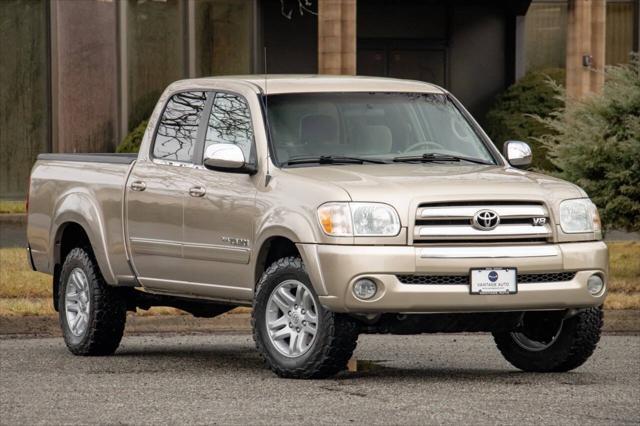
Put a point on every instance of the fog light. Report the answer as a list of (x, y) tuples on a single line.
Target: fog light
[(365, 289), (595, 284)]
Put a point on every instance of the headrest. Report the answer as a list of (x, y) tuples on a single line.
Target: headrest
[(318, 128), (375, 139)]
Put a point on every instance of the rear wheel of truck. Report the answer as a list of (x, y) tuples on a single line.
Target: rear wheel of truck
[(545, 342), (295, 335), (92, 314)]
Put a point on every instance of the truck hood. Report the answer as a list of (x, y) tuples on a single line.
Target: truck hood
[(406, 185)]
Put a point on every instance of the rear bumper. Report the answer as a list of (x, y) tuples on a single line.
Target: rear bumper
[(334, 269)]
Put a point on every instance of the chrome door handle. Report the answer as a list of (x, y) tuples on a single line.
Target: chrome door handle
[(197, 191), (138, 185)]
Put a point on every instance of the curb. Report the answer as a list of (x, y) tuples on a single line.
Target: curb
[(623, 321)]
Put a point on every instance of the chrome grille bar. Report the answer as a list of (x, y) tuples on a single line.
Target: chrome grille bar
[(466, 231), (464, 212)]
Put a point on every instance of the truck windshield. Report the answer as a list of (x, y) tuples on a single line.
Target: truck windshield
[(363, 128)]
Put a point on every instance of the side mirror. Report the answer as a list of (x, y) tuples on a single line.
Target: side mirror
[(227, 158), (517, 153)]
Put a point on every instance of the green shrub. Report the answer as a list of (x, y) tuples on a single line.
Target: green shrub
[(595, 143), (132, 142), (510, 118)]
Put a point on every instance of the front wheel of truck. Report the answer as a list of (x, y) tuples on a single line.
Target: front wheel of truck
[(295, 335), (92, 313), (548, 342)]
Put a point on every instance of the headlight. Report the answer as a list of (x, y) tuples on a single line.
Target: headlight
[(579, 215), (359, 219)]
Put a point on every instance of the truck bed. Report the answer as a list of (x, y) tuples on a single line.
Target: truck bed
[(87, 189)]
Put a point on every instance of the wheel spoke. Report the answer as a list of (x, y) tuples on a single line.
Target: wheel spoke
[(310, 328), (72, 307), (282, 304), (282, 321), (292, 343), (73, 297), (78, 280), (286, 296), (281, 334), (300, 292)]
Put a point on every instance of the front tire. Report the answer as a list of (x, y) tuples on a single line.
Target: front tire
[(547, 343), (296, 336), (92, 314)]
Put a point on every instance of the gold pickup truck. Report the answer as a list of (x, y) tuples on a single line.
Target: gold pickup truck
[(334, 206)]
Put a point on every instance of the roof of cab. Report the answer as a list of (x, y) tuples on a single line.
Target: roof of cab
[(303, 83)]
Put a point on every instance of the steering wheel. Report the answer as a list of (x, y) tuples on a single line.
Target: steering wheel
[(426, 144)]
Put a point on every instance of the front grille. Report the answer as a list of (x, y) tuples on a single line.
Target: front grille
[(519, 221), (546, 277)]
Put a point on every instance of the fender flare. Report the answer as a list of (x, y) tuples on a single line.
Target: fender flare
[(79, 208)]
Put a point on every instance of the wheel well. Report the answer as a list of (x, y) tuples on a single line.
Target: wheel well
[(70, 236), (273, 249)]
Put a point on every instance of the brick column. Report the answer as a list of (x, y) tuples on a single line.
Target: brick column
[(585, 37), (337, 37)]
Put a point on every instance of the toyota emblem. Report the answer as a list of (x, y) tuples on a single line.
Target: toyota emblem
[(486, 220)]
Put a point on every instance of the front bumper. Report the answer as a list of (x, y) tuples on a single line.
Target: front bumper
[(333, 270)]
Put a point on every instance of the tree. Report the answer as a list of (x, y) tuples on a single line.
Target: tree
[(595, 143)]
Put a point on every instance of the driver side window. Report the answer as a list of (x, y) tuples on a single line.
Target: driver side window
[(230, 123)]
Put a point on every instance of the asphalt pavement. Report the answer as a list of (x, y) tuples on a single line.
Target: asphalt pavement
[(219, 379)]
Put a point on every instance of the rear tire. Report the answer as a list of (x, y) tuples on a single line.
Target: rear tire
[(323, 341), (546, 343), (92, 314)]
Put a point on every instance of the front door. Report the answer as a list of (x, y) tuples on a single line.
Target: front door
[(220, 209), (156, 192)]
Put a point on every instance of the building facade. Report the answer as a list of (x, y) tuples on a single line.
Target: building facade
[(77, 76)]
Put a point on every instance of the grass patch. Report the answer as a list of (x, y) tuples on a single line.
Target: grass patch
[(17, 280), (12, 207), (24, 292)]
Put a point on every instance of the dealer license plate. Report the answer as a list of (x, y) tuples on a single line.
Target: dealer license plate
[(494, 281)]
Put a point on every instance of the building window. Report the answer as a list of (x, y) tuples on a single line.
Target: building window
[(620, 32), (24, 92), (224, 37), (178, 127), (154, 53), (545, 35)]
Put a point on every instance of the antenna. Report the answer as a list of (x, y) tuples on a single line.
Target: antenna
[(267, 177)]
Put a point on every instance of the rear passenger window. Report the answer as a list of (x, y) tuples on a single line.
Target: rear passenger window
[(230, 123), (178, 127)]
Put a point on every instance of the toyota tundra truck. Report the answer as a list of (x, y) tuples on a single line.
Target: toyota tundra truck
[(333, 206)]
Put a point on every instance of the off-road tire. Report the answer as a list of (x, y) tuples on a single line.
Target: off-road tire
[(107, 309), (337, 333), (574, 345)]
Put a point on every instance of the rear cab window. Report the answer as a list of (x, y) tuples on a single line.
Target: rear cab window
[(177, 131)]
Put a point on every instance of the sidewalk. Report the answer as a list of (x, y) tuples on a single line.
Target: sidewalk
[(624, 321)]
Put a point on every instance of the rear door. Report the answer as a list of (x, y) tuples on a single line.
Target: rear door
[(156, 192)]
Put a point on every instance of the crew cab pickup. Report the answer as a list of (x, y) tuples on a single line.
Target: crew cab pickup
[(334, 206)]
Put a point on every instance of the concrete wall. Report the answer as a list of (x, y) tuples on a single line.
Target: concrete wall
[(84, 78)]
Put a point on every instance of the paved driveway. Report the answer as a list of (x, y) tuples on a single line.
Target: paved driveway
[(219, 379)]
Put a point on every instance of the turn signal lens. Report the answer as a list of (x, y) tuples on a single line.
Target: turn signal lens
[(335, 219)]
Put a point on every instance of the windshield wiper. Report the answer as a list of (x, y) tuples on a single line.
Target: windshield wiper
[(430, 158), (332, 159)]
